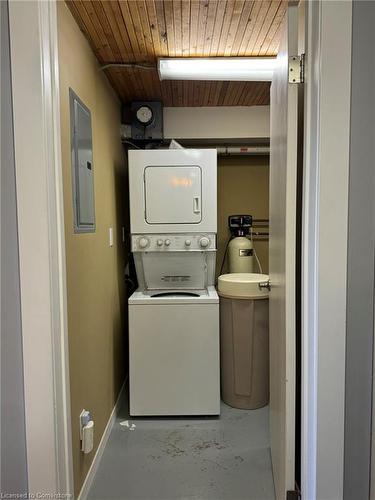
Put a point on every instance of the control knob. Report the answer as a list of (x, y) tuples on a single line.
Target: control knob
[(160, 243), (167, 242), (204, 242), (143, 242), (187, 243)]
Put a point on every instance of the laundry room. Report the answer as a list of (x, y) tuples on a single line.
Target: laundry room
[(166, 192), (187, 249)]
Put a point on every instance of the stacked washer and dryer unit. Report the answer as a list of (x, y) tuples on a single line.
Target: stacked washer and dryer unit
[(174, 314)]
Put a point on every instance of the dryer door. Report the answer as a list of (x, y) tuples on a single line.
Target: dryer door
[(173, 194)]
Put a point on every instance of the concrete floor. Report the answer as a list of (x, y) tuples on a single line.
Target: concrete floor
[(226, 458)]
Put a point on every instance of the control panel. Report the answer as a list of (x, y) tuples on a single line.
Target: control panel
[(173, 242)]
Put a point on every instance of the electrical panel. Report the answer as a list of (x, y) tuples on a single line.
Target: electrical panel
[(82, 166)]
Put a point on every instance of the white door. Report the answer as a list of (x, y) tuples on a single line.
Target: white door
[(282, 253), (173, 195)]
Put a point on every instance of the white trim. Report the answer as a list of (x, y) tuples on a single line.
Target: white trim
[(309, 257), (35, 85), (324, 247), (372, 456), (101, 447)]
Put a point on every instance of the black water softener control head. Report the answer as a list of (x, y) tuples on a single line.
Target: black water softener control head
[(239, 225)]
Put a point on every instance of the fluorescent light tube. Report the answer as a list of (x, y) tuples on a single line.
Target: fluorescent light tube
[(217, 68)]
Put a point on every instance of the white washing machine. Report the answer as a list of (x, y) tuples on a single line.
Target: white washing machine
[(174, 315)]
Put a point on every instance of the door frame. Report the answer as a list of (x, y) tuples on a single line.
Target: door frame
[(42, 246), (40, 214), (324, 246)]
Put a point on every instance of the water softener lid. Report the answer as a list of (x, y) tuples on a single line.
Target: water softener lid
[(242, 285)]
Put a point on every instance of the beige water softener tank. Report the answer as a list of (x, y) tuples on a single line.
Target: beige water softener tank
[(240, 255), (244, 340), (240, 247)]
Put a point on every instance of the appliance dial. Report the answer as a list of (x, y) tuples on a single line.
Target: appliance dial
[(167, 242), (204, 242), (143, 242), (160, 243), (187, 243)]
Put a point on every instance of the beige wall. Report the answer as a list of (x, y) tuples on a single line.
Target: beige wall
[(96, 296), (217, 122), (242, 189)]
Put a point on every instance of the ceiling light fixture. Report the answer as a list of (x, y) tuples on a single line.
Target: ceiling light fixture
[(217, 68)]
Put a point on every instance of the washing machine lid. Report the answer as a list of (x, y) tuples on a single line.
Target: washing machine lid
[(174, 297), (173, 194)]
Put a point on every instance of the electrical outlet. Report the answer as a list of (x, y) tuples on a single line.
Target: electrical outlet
[(86, 431), (84, 419), (87, 443)]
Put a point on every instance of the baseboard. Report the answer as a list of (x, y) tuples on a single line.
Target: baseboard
[(100, 450)]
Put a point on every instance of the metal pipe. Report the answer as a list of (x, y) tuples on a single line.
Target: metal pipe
[(242, 150)]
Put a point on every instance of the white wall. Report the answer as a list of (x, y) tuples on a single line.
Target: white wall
[(225, 122), (13, 477), (324, 247), (361, 250), (41, 245)]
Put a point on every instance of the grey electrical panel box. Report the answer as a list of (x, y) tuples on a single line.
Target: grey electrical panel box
[(82, 166)]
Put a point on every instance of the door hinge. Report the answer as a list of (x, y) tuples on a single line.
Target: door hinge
[(297, 69)]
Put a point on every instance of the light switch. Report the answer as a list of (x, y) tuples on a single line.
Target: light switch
[(111, 236)]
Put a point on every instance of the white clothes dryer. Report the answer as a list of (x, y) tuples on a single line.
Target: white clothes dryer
[(174, 315), (173, 191)]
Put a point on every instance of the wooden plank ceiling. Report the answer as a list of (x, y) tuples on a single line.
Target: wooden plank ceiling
[(140, 31)]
